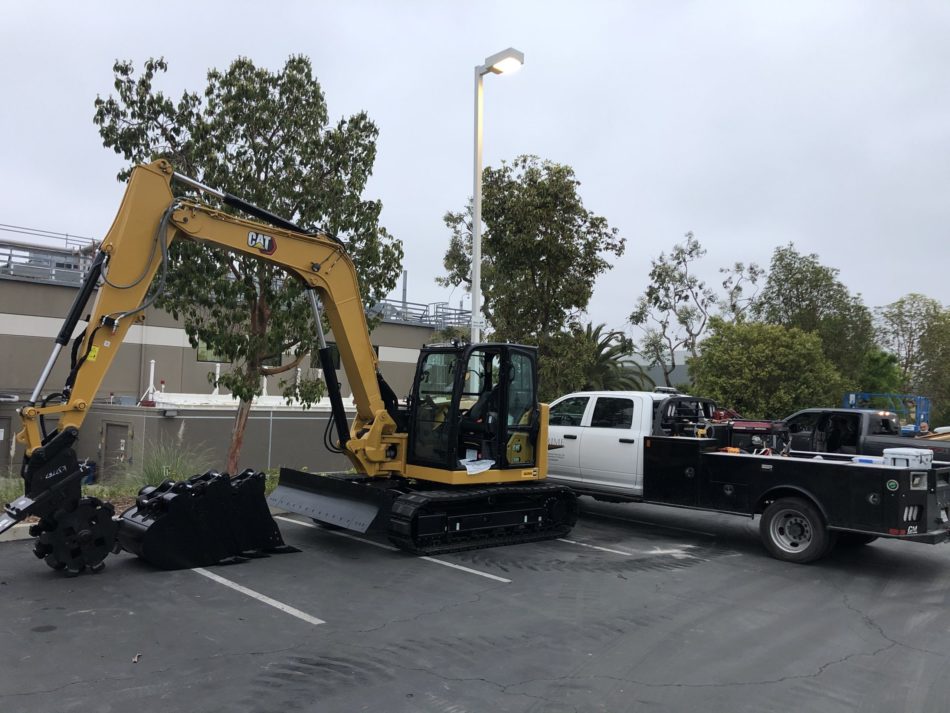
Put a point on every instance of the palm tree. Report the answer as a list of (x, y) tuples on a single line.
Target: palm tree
[(607, 371)]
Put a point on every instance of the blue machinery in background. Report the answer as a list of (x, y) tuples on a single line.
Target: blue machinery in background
[(912, 409)]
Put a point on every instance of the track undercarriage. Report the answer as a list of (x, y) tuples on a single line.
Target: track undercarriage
[(428, 519)]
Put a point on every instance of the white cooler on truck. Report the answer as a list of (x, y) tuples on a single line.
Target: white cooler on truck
[(908, 457)]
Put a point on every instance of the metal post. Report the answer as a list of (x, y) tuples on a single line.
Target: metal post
[(405, 288), (477, 213)]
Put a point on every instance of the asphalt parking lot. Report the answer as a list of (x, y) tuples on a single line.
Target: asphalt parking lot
[(641, 608)]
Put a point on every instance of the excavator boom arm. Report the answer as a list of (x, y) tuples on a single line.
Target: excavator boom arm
[(150, 218)]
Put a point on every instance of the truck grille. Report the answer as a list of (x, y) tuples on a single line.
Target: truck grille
[(911, 513)]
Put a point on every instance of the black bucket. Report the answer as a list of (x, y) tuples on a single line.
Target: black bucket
[(200, 521)]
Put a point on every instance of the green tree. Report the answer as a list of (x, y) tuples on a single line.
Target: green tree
[(737, 304), (563, 364), (800, 292), (934, 375), (764, 370), (881, 373), (900, 327), (542, 251), (265, 136), (607, 370), (676, 307)]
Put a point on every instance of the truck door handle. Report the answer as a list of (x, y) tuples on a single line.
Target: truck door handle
[(627, 440), (570, 436)]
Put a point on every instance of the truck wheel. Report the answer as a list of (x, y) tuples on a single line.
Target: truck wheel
[(854, 539), (793, 530)]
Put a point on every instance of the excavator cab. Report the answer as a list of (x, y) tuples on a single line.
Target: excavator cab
[(475, 407)]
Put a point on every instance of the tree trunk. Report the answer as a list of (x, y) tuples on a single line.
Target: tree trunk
[(237, 436)]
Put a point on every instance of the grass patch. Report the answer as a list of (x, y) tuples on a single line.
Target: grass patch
[(11, 487), (163, 460)]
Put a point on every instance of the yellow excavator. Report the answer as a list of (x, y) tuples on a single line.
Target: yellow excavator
[(460, 465)]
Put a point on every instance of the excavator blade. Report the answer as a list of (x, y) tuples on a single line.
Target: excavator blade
[(201, 521), (338, 499)]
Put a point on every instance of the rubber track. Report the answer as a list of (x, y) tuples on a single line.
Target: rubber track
[(412, 504)]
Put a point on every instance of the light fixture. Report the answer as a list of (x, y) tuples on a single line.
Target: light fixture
[(504, 62)]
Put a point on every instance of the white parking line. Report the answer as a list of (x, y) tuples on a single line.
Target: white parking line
[(394, 549), (466, 569), (286, 608), (595, 547), (676, 552)]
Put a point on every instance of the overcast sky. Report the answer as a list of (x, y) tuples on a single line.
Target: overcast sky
[(751, 124)]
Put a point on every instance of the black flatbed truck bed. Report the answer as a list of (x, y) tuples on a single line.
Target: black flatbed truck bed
[(806, 503)]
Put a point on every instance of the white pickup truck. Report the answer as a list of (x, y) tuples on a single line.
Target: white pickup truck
[(635, 446)]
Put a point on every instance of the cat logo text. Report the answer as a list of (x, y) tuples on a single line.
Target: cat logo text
[(265, 243)]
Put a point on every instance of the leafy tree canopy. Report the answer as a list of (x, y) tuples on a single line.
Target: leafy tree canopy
[(900, 327), (764, 370), (933, 374), (541, 249), (606, 369), (881, 373), (676, 306), (267, 137), (802, 293)]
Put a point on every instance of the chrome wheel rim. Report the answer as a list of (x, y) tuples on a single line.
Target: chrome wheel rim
[(791, 531)]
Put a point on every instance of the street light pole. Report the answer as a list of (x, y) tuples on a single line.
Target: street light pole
[(477, 213), (509, 60)]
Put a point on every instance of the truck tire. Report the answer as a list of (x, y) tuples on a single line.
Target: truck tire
[(793, 530)]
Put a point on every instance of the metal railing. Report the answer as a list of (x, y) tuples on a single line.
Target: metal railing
[(437, 315), (49, 264)]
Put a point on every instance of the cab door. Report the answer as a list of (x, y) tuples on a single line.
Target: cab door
[(564, 436), (611, 448), (801, 428)]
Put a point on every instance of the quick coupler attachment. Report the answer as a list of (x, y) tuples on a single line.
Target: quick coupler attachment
[(207, 519)]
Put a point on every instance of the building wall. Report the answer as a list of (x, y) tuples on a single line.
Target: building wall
[(31, 313)]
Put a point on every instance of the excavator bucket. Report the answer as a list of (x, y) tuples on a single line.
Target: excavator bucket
[(201, 521)]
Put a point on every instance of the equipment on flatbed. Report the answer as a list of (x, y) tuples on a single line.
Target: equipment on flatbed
[(914, 410), (461, 465)]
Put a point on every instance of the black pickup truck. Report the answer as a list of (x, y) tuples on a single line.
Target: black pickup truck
[(855, 432)]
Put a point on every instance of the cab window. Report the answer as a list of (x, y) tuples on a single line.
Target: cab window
[(612, 412), (568, 412), (803, 423), (435, 399)]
